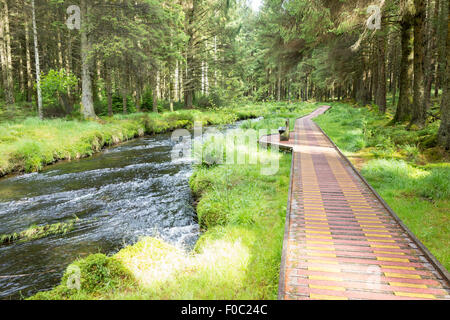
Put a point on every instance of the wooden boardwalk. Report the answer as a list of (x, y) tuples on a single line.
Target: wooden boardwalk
[(342, 241)]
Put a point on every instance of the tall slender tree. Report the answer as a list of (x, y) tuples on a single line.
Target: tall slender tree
[(37, 62), (444, 130)]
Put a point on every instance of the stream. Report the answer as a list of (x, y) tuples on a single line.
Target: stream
[(119, 195)]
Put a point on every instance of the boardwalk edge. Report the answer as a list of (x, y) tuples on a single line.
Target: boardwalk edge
[(443, 273), (432, 259)]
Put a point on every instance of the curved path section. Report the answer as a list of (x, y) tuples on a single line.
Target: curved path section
[(342, 241)]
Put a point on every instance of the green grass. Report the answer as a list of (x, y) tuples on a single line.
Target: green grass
[(16, 112), (242, 213), (405, 167)]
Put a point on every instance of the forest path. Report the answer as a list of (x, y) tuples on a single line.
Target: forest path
[(342, 241)]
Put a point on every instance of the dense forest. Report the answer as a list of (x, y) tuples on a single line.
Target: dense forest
[(148, 55)]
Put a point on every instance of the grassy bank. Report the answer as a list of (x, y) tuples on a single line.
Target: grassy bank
[(28, 145), (406, 167), (242, 214)]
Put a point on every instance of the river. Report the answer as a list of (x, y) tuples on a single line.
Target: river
[(119, 195)]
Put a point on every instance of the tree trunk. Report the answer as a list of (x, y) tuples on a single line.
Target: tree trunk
[(307, 88), (444, 130), (87, 102), (28, 58), (138, 97), (419, 111), (5, 52), (36, 58), (381, 85), (189, 83), (21, 70), (395, 75), (108, 87), (430, 57), (124, 102), (155, 96), (124, 91), (176, 83), (279, 83), (406, 71), (60, 54), (441, 40)]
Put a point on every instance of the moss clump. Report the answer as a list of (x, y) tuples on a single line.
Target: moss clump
[(100, 273), (90, 278), (37, 232)]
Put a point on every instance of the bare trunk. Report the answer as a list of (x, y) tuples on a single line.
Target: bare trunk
[(87, 103), (28, 57), (176, 83), (189, 83), (124, 103), (406, 72), (60, 54), (108, 87), (381, 85), (36, 58), (444, 130), (5, 53), (155, 96), (419, 110), (441, 44), (138, 98), (430, 58), (279, 83), (21, 69)]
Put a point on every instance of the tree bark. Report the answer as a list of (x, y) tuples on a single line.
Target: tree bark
[(395, 75), (28, 59), (155, 95), (444, 130), (419, 110), (87, 102), (138, 96), (108, 87), (189, 81), (124, 102), (441, 40), (381, 85), (430, 57), (21, 69), (279, 83), (5, 52), (406, 71), (36, 59)]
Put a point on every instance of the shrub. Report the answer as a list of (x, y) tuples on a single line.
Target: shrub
[(55, 87)]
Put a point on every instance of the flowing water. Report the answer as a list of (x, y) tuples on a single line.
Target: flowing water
[(119, 195)]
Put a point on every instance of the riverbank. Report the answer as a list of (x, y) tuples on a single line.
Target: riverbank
[(31, 144), (242, 214), (405, 167)]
